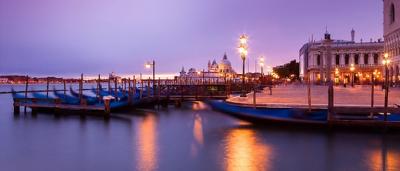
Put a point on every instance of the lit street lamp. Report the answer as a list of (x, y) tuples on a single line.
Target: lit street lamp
[(152, 64), (243, 53), (352, 68), (386, 62), (337, 77)]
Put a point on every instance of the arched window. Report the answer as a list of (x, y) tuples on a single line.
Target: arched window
[(346, 59), (337, 59), (392, 14), (376, 58), (366, 59), (356, 56)]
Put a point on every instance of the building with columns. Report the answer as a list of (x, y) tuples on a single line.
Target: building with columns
[(350, 61), (391, 29)]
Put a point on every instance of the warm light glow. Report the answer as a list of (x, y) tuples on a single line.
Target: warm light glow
[(147, 144), (245, 152), (147, 66), (386, 61), (198, 130), (243, 46), (352, 68), (241, 50), (380, 158), (386, 55), (243, 39), (262, 61)]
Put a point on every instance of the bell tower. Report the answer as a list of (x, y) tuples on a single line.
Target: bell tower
[(353, 35)]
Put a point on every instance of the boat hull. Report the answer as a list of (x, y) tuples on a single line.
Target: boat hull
[(294, 117)]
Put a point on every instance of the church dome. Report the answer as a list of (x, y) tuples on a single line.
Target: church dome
[(225, 61)]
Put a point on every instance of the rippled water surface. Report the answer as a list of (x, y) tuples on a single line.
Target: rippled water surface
[(192, 137)]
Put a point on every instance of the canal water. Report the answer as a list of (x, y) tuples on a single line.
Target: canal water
[(192, 137)]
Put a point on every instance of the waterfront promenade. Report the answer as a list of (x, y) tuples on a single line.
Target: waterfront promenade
[(296, 95)]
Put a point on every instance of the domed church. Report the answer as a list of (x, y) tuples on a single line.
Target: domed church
[(224, 67), (214, 70)]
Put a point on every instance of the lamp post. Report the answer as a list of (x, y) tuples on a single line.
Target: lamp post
[(386, 62), (243, 53), (337, 77), (352, 68), (152, 65), (262, 64)]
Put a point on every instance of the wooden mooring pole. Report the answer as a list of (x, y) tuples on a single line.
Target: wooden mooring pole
[(372, 93), (109, 84), (129, 91), (107, 108), (134, 86), (141, 89), (309, 91), (148, 88), (26, 93), (125, 87), (254, 97), (47, 87), (80, 89), (98, 89), (116, 88), (158, 90), (65, 87)]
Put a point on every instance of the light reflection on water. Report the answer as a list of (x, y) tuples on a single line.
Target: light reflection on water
[(192, 137), (146, 149), (197, 135), (382, 158), (243, 151)]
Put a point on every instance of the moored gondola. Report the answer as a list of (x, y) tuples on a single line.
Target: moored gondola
[(303, 117)]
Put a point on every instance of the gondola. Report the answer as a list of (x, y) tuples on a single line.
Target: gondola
[(271, 115), (89, 99), (66, 99), (16, 95), (300, 116)]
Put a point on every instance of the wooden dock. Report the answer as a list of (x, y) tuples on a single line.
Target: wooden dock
[(166, 91)]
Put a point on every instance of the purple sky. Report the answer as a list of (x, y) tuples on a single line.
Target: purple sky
[(67, 37)]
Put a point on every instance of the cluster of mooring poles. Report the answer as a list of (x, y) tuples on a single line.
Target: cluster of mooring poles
[(156, 91)]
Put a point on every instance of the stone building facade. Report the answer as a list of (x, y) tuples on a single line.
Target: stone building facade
[(391, 29), (364, 57)]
